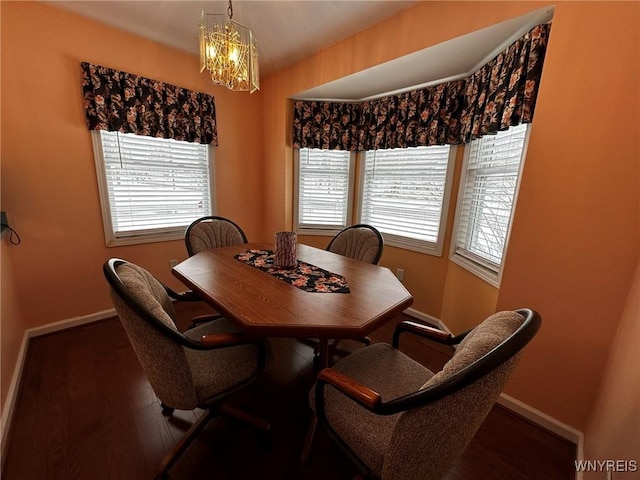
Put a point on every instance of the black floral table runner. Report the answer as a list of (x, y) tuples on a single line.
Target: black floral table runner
[(305, 276)]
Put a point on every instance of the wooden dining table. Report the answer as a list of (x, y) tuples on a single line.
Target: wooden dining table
[(262, 304)]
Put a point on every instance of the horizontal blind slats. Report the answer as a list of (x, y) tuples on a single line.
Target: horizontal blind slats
[(323, 187), (488, 195), (154, 183), (404, 191)]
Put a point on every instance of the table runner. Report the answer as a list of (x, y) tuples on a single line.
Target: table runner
[(305, 276)]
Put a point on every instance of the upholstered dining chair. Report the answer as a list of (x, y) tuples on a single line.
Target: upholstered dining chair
[(200, 368), (360, 242), (396, 419), (212, 232)]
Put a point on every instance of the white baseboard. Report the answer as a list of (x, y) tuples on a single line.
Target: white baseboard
[(70, 323), (548, 423), (12, 393), (535, 416), (427, 318), (542, 419)]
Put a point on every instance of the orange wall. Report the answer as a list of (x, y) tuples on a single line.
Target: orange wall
[(11, 318), (574, 242), (48, 177), (613, 431)]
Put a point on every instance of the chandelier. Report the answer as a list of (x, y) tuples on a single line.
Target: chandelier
[(228, 51)]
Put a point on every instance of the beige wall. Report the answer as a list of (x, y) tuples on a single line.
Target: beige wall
[(574, 241), (48, 176), (574, 244)]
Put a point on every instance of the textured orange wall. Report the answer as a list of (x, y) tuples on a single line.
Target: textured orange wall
[(11, 319), (613, 431), (467, 300), (48, 177), (574, 245), (574, 242)]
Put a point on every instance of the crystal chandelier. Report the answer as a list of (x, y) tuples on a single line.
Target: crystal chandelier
[(228, 51)]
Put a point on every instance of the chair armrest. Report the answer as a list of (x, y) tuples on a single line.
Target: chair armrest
[(360, 393), (186, 296), (424, 331), (220, 340), (204, 318)]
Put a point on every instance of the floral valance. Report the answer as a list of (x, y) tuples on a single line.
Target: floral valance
[(499, 95), (127, 103)]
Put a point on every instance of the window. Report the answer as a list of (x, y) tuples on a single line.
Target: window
[(324, 190), (486, 201), (151, 189), (405, 193)]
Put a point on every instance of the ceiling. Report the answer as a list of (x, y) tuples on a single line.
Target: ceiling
[(287, 31), (447, 61), (291, 30)]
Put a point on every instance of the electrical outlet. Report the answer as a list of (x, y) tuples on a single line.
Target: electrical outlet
[(400, 274), (173, 262)]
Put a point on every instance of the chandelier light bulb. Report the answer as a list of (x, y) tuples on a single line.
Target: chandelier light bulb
[(229, 52)]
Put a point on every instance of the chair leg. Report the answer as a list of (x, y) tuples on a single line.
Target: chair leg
[(306, 449), (334, 351), (166, 411), (170, 458), (244, 417)]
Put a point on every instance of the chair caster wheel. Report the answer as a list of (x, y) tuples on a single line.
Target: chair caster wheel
[(166, 411)]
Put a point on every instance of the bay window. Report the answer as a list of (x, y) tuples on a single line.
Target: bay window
[(486, 201)]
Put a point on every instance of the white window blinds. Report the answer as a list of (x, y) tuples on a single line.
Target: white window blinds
[(404, 192), (152, 186), (324, 188), (487, 196)]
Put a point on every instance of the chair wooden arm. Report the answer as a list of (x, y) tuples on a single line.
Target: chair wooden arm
[(219, 340), (195, 321), (360, 393), (186, 296), (424, 331)]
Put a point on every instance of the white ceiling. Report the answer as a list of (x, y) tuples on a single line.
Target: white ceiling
[(291, 30), (454, 59), (287, 31)]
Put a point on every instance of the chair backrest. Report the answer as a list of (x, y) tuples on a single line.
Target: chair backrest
[(360, 242), (147, 315), (212, 232), (482, 362)]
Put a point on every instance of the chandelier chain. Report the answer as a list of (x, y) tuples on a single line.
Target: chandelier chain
[(230, 10)]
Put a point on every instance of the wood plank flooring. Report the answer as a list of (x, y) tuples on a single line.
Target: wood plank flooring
[(86, 411)]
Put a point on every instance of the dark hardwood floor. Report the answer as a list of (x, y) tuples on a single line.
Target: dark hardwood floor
[(86, 411)]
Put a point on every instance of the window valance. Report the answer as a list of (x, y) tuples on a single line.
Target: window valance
[(127, 103), (497, 96)]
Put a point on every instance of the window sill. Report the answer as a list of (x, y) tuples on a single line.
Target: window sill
[(329, 232), (489, 276), (406, 243), (136, 239)]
